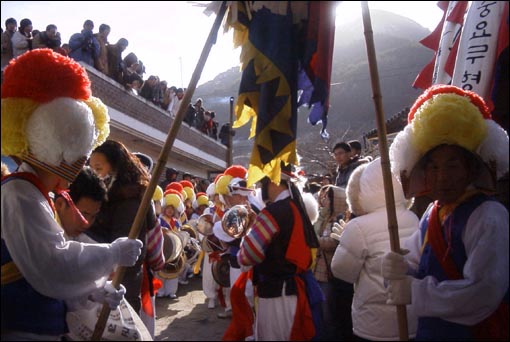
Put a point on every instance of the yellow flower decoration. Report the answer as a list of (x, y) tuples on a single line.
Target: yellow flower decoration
[(222, 184), (15, 114), (448, 119), (101, 119), (158, 194)]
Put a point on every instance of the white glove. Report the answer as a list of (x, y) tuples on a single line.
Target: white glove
[(338, 227), (394, 265), (337, 230), (399, 291), (126, 251), (109, 295)]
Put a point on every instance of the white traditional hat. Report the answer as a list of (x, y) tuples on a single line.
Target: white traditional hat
[(49, 117), (449, 115)]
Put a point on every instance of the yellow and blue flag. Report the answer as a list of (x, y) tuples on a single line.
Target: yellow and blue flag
[(286, 47)]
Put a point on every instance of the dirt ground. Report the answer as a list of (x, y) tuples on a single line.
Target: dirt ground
[(187, 318)]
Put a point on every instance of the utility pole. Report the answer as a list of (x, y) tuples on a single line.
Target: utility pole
[(180, 62), (230, 148)]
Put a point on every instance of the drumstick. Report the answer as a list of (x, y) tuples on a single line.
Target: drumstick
[(196, 268)]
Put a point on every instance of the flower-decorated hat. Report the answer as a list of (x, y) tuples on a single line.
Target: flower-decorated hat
[(211, 189), (179, 188), (189, 189), (201, 199), (49, 117), (446, 114), (234, 181), (173, 198)]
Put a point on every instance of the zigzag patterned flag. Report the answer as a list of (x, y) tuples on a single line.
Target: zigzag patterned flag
[(280, 41)]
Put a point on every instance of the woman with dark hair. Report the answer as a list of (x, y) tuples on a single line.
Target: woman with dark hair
[(126, 179)]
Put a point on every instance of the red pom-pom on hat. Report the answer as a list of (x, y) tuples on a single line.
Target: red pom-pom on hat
[(43, 75), (187, 184), (174, 192), (236, 171), (448, 89), (175, 186), (217, 177)]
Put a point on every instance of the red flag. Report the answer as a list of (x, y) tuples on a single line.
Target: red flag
[(424, 78), (444, 41)]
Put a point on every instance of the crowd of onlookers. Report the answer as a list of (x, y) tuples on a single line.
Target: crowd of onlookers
[(95, 50)]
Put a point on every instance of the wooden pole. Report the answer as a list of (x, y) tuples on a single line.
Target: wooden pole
[(230, 149), (163, 156), (385, 160)]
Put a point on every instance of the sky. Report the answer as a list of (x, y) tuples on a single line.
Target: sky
[(169, 36)]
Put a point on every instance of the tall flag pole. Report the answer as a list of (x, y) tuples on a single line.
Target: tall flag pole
[(385, 159), (158, 169)]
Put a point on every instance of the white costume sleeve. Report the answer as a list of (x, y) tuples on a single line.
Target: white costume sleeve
[(53, 266), (350, 254), (472, 299)]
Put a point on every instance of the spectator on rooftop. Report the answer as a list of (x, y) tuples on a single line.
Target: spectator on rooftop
[(47, 39), (176, 102), (22, 39), (10, 27), (149, 88), (115, 63), (101, 61), (84, 46)]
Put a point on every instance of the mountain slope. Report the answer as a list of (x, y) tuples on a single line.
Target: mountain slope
[(400, 57)]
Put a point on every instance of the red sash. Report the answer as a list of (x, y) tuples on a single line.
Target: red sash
[(146, 292), (299, 253), (241, 325), (34, 179)]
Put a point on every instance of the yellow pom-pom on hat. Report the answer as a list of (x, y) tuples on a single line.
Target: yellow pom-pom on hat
[(179, 188), (202, 199), (448, 119), (189, 189), (222, 184), (49, 117), (158, 194), (173, 198), (448, 115), (234, 173)]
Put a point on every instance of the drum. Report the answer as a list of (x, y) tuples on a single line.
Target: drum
[(221, 270), (192, 250), (171, 270), (184, 236), (205, 224), (211, 244), (172, 245), (190, 230)]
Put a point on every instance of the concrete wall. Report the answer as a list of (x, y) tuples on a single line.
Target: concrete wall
[(143, 127)]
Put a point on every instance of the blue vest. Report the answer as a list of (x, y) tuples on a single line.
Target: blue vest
[(434, 328), (25, 309)]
